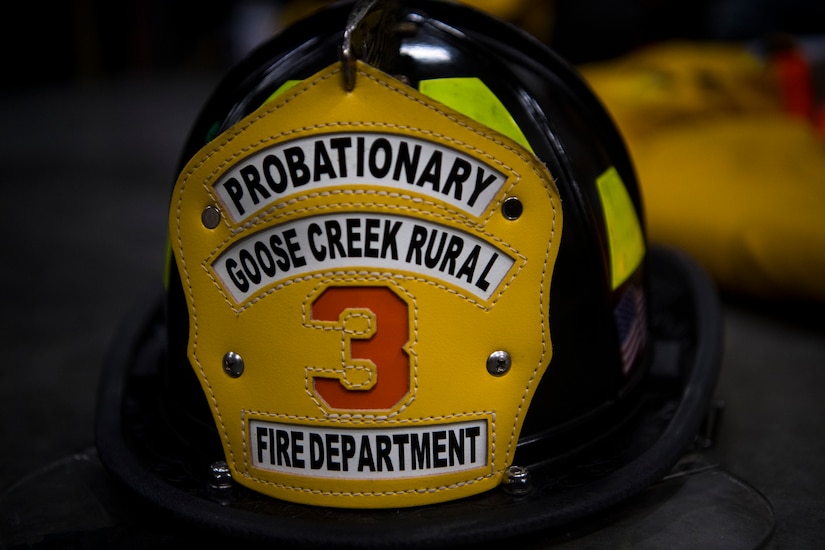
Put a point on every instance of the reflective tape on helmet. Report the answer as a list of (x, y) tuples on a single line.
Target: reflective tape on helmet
[(624, 232), (471, 97)]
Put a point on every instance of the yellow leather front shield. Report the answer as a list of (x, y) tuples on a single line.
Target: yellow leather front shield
[(352, 262)]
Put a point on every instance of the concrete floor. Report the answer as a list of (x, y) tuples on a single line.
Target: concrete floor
[(85, 172)]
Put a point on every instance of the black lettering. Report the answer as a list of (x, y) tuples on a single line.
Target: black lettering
[(468, 268), (374, 453), (384, 447), (481, 185), (431, 260), (419, 237), (275, 243), (372, 236), (277, 185), (388, 241), (320, 253), (294, 248), (282, 442), (451, 255), (347, 450), (260, 435), (401, 440), (353, 237), (406, 163), (249, 266), (459, 173), (272, 448), (365, 459), (297, 449), (252, 179), (323, 164), (334, 239), (472, 434), (298, 170), (359, 157), (264, 258), (420, 451), (456, 447), (380, 149), (340, 144), (316, 451), (235, 191), (481, 282), (439, 448), (432, 172), (332, 451), (237, 275)]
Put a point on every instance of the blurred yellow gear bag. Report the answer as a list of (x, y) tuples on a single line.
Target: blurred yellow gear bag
[(726, 174)]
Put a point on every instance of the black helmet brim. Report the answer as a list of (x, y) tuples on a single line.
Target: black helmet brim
[(687, 340)]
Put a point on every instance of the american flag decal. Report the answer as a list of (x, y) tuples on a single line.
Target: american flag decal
[(631, 322)]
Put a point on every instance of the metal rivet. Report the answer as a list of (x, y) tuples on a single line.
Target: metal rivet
[(219, 484), (512, 208), (220, 477), (211, 217), (233, 364), (498, 363), (517, 481)]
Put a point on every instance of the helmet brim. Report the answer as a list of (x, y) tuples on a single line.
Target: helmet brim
[(687, 342)]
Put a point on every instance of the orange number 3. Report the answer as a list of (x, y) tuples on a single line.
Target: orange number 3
[(383, 347)]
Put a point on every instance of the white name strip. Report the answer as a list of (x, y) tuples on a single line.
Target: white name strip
[(369, 453), (362, 241), (403, 163)]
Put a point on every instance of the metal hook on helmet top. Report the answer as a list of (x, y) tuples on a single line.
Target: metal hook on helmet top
[(369, 36)]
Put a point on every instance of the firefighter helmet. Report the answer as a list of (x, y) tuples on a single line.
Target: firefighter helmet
[(408, 270)]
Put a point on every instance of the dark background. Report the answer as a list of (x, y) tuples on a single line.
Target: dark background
[(96, 100)]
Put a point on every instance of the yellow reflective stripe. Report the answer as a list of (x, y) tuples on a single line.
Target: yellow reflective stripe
[(471, 97), (624, 232)]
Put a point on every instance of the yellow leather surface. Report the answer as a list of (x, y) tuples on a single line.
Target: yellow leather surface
[(298, 361)]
